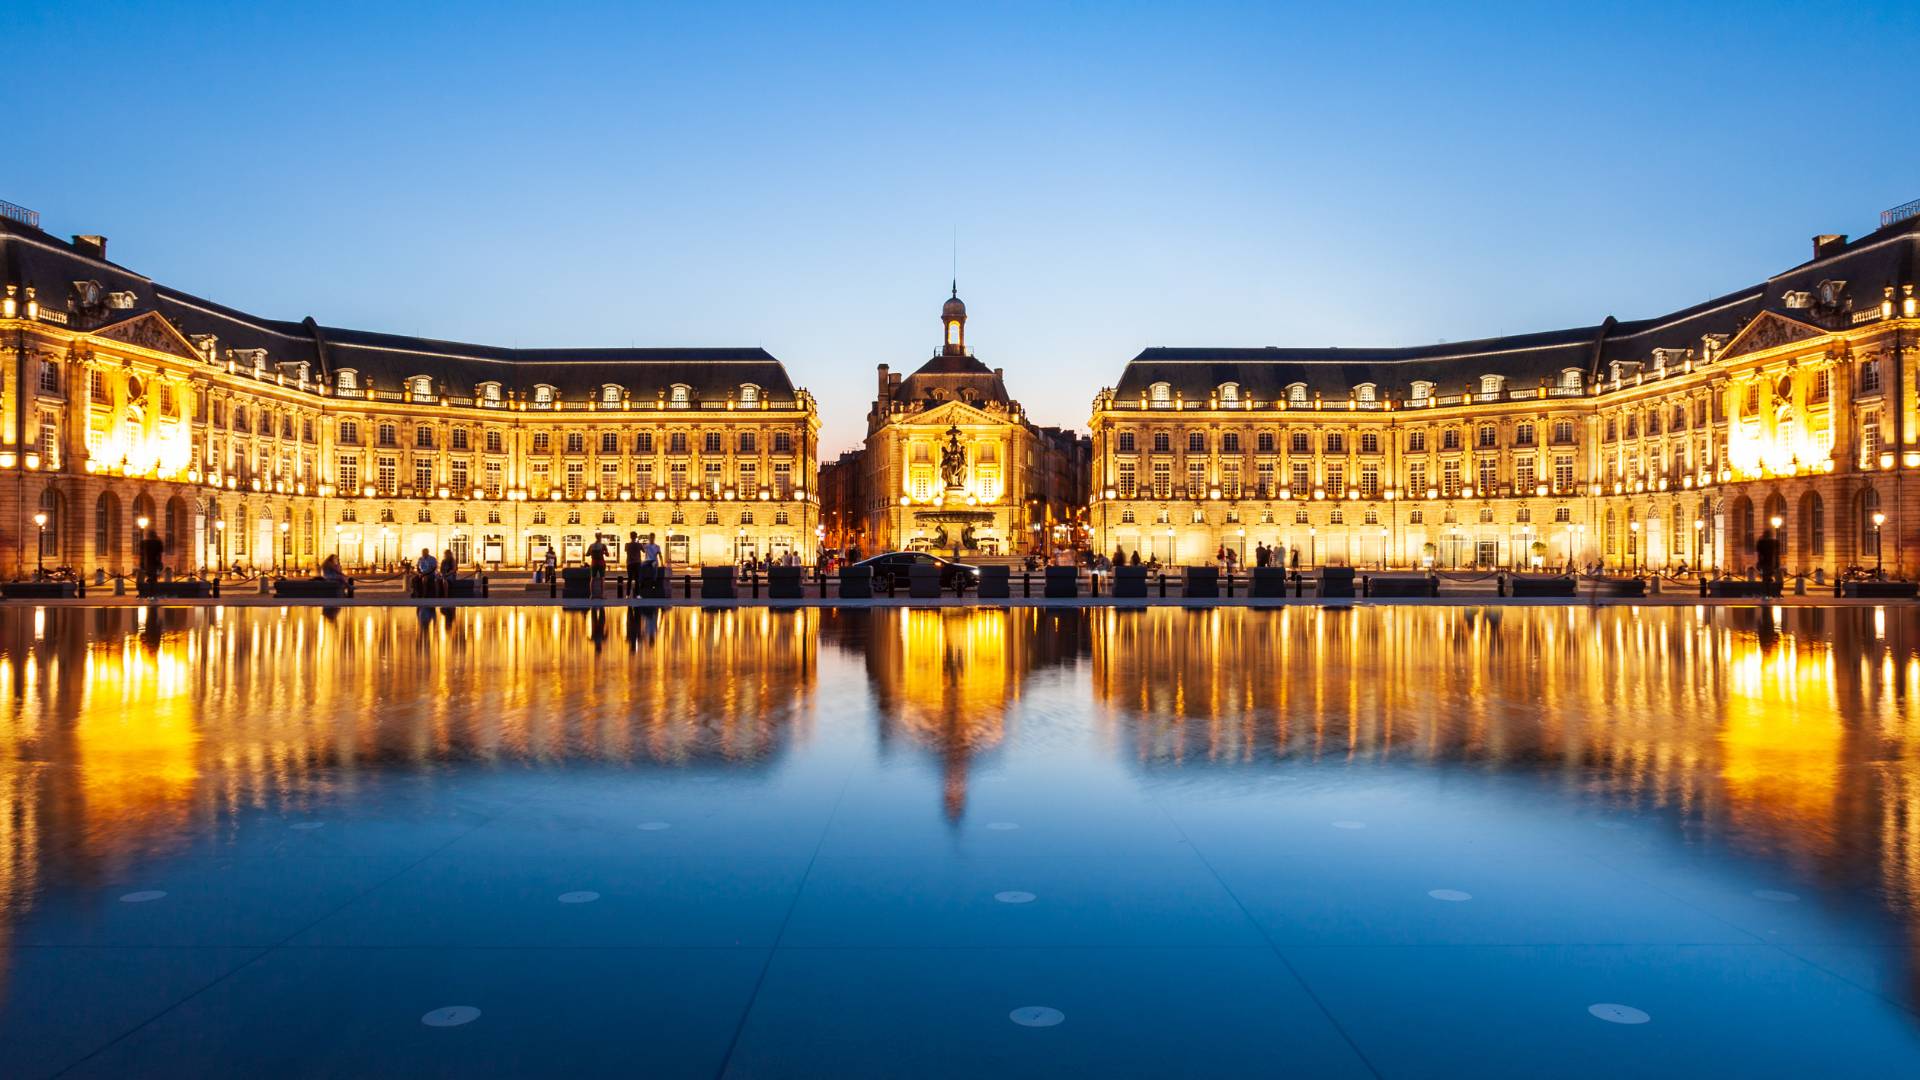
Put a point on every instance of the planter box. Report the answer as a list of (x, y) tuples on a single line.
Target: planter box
[(1063, 582), (1130, 582), (1880, 590), (312, 589), (856, 583), (42, 590), (995, 582), (1200, 583), (1736, 587), (716, 583), (182, 590), (1269, 582), (1402, 585), (1336, 582), (1621, 586), (923, 581), (1541, 585), (783, 583), (576, 583)]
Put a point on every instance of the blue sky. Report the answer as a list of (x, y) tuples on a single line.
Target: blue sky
[(1118, 175)]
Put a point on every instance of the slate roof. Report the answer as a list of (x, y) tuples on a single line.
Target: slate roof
[(29, 256), (1882, 258)]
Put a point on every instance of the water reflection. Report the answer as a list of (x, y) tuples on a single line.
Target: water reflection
[(1787, 735)]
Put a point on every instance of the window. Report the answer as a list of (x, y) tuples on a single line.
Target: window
[(1264, 442), (1301, 480), (643, 443), (493, 442), (1196, 479), (610, 394), (458, 439), (1364, 393), (1160, 395), (1422, 390), (1416, 442), (1336, 442), (1298, 443), (1162, 442), (1124, 487), (1417, 479), (346, 381), (1523, 433), (346, 469), (542, 442), (746, 444), (1369, 442), (423, 437), (49, 377), (677, 442), (1562, 432), (1124, 442), (387, 434), (1297, 394), (423, 477), (783, 442), (1563, 473), (1369, 481), (1869, 438), (1229, 393), (1869, 383), (609, 442), (1570, 379), (387, 474), (422, 388), (350, 432), (1450, 479), (679, 395), (1196, 442), (1489, 437), (489, 393), (543, 397), (1523, 478), (1230, 442), (1162, 480), (1489, 477), (1490, 385), (749, 394), (1449, 438)]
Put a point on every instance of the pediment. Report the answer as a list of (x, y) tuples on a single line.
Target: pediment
[(149, 331), (1769, 330), (958, 412)]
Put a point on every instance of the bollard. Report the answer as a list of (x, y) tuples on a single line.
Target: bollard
[(119, 586), (1026, 584), (1093, 585), (553, 586), (1800, 584), (1703, 584), (1653, 584), (1229, 586), (1163, 584), (264, 590)]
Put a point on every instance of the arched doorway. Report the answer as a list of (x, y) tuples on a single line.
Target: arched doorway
[(1740, 531), (1812, 529), (178, 528), (1868, 526), (106, 532)]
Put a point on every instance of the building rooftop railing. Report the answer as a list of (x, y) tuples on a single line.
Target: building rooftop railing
[(19, 213), (1899, 213)]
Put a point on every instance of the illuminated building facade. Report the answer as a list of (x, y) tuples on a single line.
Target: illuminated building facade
[(951, 462), (1656, 443), (270, 443)]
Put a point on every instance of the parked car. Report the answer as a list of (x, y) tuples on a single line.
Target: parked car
[(891, 568)]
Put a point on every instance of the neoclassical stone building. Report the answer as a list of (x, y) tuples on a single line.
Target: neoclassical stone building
[(1657, 443), (270, 443), (952, 464)]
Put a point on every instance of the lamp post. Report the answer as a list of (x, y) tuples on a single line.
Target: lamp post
[(1633, 540), (1879, 560), (1313, 533), (286, 550), (219, 546), (1700, 543), (40, 555), (1383, 547), (1169, 545), (338, 528), (1241, 533)]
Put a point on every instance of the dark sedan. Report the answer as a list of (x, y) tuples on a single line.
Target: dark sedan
[(891, 568)]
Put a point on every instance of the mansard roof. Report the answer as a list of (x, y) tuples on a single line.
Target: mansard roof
[(31, 257), (1865, 268)]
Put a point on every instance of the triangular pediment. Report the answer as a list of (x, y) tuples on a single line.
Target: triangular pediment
[(1770, 330), (149, 331), (958, 412)]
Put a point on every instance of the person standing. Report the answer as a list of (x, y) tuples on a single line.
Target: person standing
[(549, 565), (151, 551), (596, 566), (1767, 551), (636, 553)]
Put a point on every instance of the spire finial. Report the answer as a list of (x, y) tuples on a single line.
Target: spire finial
[(956, 287)]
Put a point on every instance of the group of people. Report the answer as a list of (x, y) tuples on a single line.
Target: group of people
[(427, 577)]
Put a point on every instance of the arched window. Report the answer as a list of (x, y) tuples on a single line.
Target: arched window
[(749, 394), (1869, 528), (679, 395), (1422, 390), (1297, 394), (1570, 378), (1364, 392), (543, 396), (106, 527), (610, 394), (346, 380), (1490, 384), (422, 387), (1229, 393), (1160, 395), (490, 392)]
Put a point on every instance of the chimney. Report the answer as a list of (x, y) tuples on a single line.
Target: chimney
[(1827, 243), (95, 246)]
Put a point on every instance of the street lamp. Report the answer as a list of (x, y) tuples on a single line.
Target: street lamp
[(1633, 530), (219, 545), (1879, 560), (286, 551), (1241, 532), (1700, 542), (1313, 531), (1383, 547), (40, 558)]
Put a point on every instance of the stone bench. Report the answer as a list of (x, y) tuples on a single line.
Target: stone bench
[(1063, 583), (42, 590), (312, 588), (1402, 585), (1336, 582), (1541, 585), (1130, 582), (1879, 590), (996, 582), (185, 589)]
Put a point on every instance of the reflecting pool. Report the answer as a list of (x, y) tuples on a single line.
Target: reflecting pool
[(1397, 841)]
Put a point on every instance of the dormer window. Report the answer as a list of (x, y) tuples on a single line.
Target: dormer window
[(1364, 393), (1229, 393), (490, 392), (421, 387), (1160, 395), (543, 396), (1570, 379), (346, 381), (1297, 394), (1422, 390), (1490, 384), (749, 394), (610, 394), (679, 395)]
